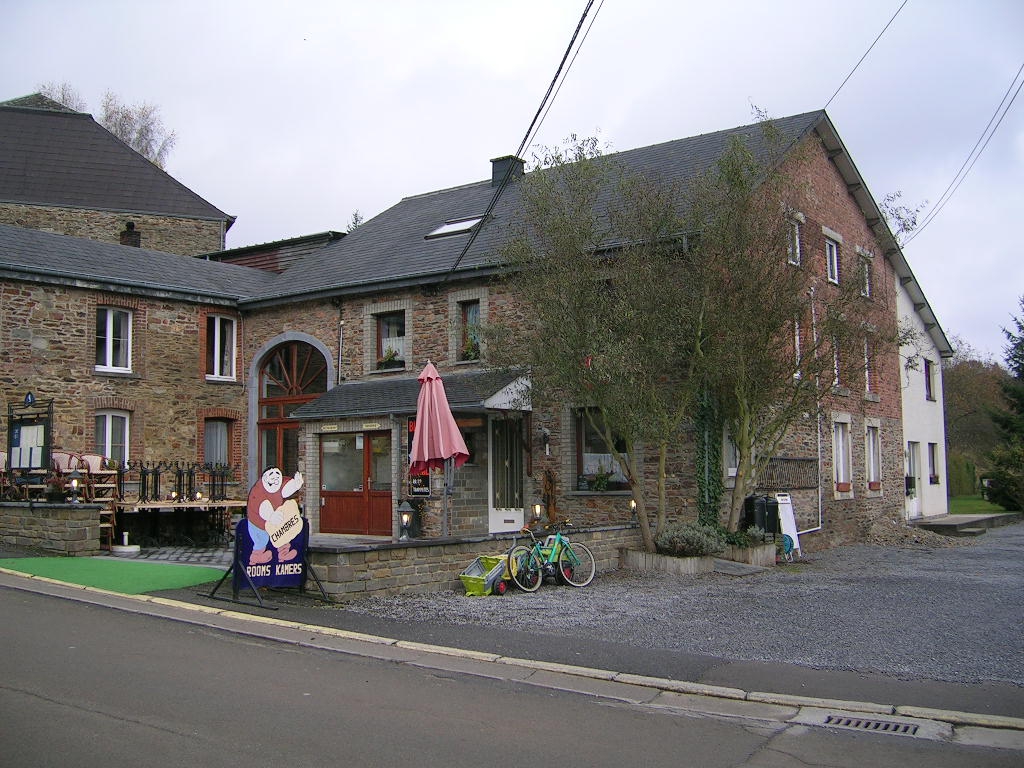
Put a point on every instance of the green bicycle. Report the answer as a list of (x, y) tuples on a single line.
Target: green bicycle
[(571, 563)]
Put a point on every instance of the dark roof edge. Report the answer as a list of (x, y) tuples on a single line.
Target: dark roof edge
[(50, 277), (858, 188), (427, 278), (330, 234)]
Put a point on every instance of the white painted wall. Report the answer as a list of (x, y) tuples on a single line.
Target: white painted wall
[(923, 419)]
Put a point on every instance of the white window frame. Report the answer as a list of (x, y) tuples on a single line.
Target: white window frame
[(105, 439), (836, 363), (222, 435), (832, 260), (867, 364), (842, 458), (730, 455), (873, 454), (456, 301), (218, 322), (933, 463), (793, 255), (107, 354), (396, 343), (929, 380), (865, 286), (797, 352)]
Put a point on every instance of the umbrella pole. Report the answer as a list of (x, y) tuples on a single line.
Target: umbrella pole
[(448, 469)]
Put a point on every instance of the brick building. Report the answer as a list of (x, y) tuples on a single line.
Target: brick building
[(312, 367)]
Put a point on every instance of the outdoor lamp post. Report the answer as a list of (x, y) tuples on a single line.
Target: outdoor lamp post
[(407, 511), (76, 480)]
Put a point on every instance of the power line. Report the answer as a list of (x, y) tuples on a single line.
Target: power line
[(866, 53), (974, 154), (534, 125)]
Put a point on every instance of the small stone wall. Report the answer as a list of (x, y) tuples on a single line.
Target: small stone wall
[(66, 529), (434, 565)]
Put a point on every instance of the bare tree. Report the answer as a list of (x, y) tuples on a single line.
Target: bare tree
[(356, 220), (139, 126), (782, 340), (609, 309), (64, 93), (644, 297)]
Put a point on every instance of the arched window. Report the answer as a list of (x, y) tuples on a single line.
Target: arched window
[(292, 373)]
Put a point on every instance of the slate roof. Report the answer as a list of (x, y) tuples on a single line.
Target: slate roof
[(390, 249), (65, 158), (466, 392), (29, 254)]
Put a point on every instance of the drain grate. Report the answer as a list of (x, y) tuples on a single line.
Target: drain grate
[(876, 726)]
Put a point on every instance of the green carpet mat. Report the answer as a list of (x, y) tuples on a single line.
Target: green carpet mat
[(127, 577)]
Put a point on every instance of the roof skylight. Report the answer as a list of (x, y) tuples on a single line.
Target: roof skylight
[(455, 227)]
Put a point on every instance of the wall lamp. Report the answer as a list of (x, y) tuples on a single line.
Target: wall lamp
[(406, 511)]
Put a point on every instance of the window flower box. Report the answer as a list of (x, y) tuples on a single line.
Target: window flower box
[(842, 487), (874, 485), (933, 479)]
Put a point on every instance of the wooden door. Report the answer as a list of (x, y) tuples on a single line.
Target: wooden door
[(356, 478)]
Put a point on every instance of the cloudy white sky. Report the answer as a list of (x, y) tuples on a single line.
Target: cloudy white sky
[(291, 116)]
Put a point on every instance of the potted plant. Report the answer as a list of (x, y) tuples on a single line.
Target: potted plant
[(600, 481), (470, 350), (390, 359)]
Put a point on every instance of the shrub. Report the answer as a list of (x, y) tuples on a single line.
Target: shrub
[(690, 540), (748, 538)]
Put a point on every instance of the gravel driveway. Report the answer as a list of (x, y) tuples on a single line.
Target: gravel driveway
[(951, 613)]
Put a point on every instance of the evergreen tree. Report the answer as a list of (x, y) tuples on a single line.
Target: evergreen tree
[(1007, 486)]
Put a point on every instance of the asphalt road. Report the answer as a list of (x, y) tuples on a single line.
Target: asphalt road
[(87, 685), (929, 627)]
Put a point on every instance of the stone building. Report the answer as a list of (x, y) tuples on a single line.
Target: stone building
[(312, 367), (61, 171)]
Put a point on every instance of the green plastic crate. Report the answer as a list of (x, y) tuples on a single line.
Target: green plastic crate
[(482, 574)]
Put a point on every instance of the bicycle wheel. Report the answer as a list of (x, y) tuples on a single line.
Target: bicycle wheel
[(576, 565), (525, 569)]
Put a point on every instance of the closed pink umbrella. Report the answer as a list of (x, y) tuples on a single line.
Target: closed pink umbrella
[(437, 441)]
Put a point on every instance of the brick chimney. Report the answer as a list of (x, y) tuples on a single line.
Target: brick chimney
[(131, 236), (500, 166)]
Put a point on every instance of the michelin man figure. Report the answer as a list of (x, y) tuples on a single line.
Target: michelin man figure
[(266, 500)]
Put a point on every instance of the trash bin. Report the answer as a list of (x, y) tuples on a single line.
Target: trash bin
[(762, 511)]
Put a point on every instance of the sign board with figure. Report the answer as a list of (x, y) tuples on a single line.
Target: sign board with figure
[(271, 540)]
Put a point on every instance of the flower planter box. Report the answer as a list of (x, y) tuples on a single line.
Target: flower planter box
[(874, 485), (842, 487), (762, 555), (648, 562)]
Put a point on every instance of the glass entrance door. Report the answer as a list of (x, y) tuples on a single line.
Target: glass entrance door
[(506, 457), (356, 480)]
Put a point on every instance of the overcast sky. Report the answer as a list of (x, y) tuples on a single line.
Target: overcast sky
[(291, 116)]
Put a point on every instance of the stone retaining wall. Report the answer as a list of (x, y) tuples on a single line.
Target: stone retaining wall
[(432, 565), (66, 529)]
